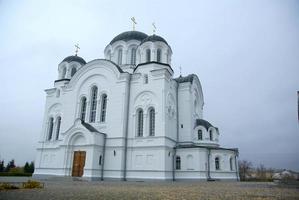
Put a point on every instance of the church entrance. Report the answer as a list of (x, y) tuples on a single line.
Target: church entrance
[(78, 163)]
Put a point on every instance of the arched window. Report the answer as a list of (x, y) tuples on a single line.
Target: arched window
[(145, 79), (58, 122), (148, 55), (133, 56), (93, 107), (231, 163), (158, 55), (199, 134), (83, 108), (217, 163), (140, 123), (152, 122), (120, 56), (103, 108), (63, 73), (50, 128), (211, 135), (74, 70), (178, 162)]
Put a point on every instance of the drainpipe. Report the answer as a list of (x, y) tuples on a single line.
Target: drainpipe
[(173, 163), (127, 110), (177, 132), (237, 167), (103, 159), (209, 154)]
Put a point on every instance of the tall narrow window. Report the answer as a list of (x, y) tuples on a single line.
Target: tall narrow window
[(83, 108), (104, 107), (148, 55), (50, 128), (152, 122), (231, 163), (120, 56), (217, 163), (145, 79), (178, 162), (133, 56), (93, 107), (211, 135), (58, 122), (63, 73), (199, 134), (74, 70), (159, 55), (140, 123)]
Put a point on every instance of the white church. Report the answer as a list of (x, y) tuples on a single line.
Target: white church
[(127, 117)]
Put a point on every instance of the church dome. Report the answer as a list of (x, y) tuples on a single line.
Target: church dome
[(74, 58), (154, 38), (129, 35)]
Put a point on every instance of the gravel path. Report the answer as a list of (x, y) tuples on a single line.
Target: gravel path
[(68, 189)]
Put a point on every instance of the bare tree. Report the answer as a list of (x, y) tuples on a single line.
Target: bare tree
[(244, 169)]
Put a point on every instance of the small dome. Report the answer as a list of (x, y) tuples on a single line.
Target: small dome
[(74, 58), (204, 123), (154, 38), (129, 35)]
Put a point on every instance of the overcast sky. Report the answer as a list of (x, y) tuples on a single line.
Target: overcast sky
[(245, 53)]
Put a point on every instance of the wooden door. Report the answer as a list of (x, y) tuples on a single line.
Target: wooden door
[(78, 163)]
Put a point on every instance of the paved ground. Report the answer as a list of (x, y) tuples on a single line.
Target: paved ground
[(68, 189)]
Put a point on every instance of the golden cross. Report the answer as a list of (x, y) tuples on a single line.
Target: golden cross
[(77, 49), (154, 28), (134, 22)]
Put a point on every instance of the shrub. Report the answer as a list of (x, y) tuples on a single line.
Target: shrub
[(32, 184), (7, 186)]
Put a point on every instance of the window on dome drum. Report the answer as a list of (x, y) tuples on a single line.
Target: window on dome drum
[(133, 56), (231, 163), (93, 107), (145, 79), (159, 55), (178, 162), (140, 123), (74, 70), (104, 108), (199, 134), (148, 55), (83, 108), (152, 122), (120, 56), (50, 128), (63, 73), (217, 163), (58, 122), (211, 135)]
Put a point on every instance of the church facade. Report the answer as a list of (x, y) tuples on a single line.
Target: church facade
[(127, 117)]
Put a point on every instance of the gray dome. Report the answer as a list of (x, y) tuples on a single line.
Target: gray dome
[(74, 58), (204, 123), (154, 38), (129, 35)]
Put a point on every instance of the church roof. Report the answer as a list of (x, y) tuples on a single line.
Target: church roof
[(74, 58), (182, 79), (154, 38), (89, 127), (129, 35), (204, 123)]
